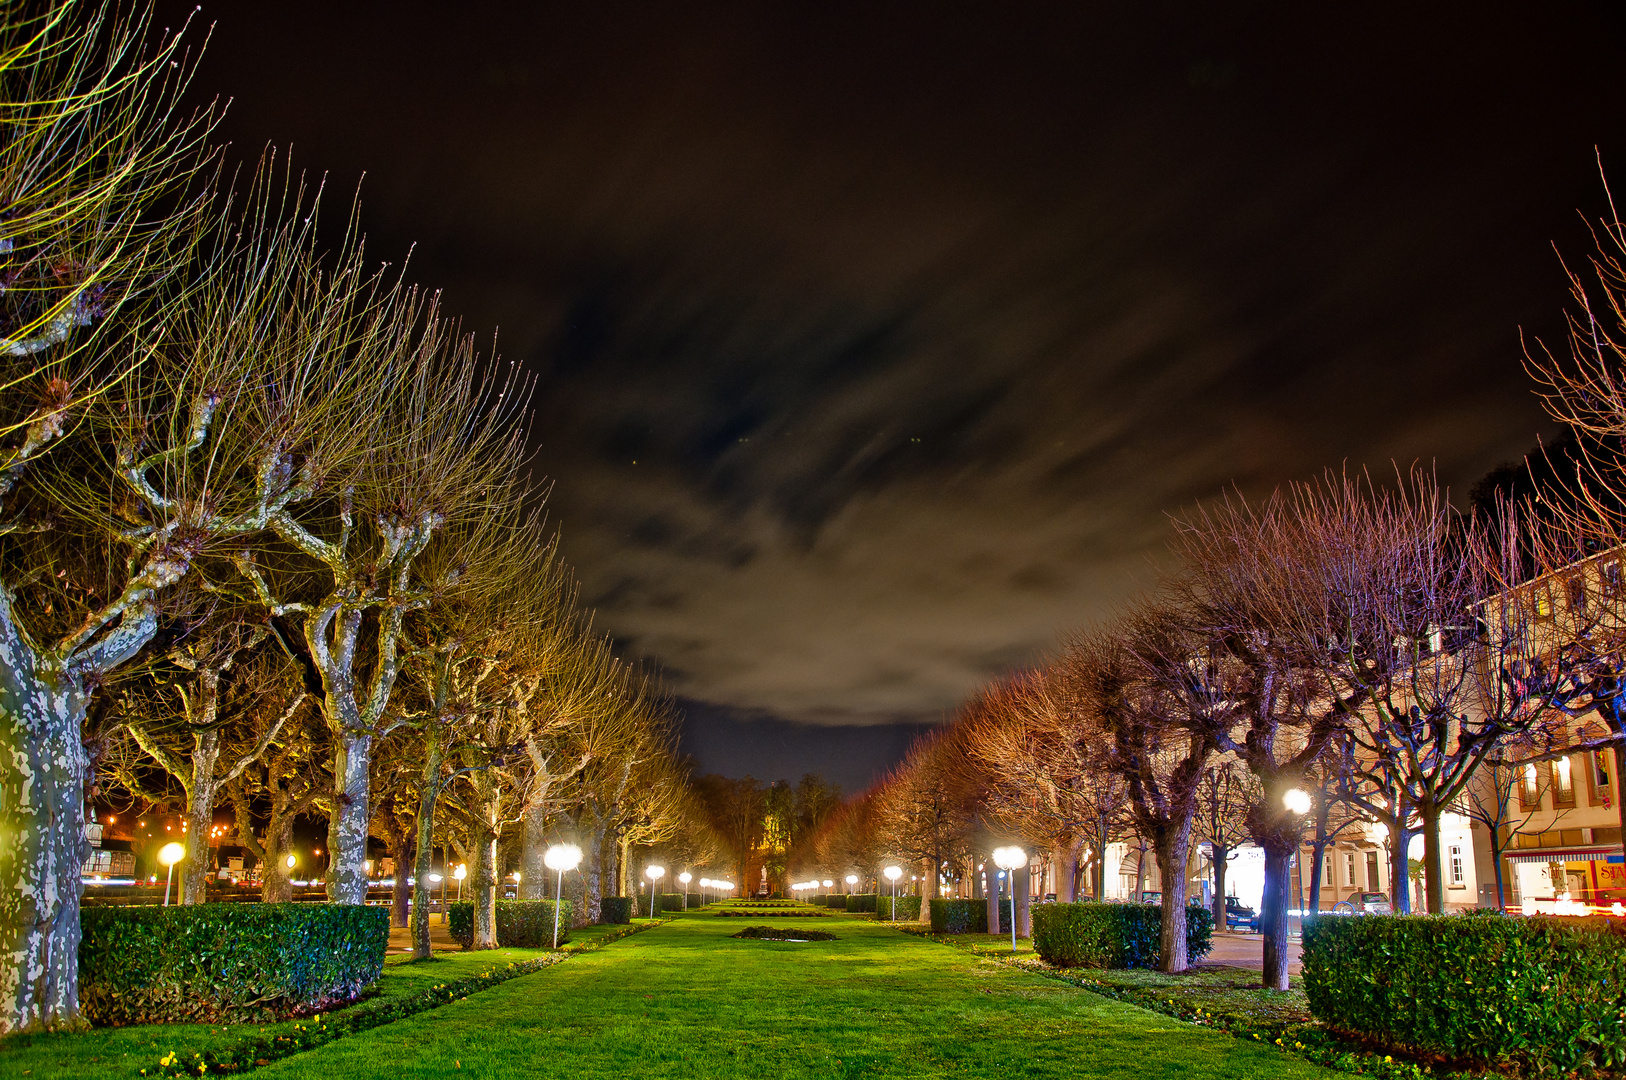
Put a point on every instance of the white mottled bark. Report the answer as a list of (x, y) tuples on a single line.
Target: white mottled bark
[(42, 837), (200, 817), (352, 812)]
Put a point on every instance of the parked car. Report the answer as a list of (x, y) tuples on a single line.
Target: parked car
[(1366, 903), (1239, 916)]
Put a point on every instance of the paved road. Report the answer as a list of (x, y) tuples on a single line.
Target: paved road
[(1248, 950)]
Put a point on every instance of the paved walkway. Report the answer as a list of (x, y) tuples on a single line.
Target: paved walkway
[(439, 938), (1248, 951)]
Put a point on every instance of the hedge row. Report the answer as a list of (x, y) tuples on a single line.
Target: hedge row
[(521, 924), (615, 910), (262, 1049), (908, 908), (226, 963), (838, 901), (1112, 935), (1480, 988), (960, 916), (861, 902)]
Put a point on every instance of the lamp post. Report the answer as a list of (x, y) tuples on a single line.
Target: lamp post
[(460, 873), (685, 877), (169, 855), (1297, 801), (705, 883), (560, 857), (1008, 859), (893, 873), (654, 873), (852, 879)]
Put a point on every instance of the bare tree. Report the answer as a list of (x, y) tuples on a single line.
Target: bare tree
[(1225, 795), (95, 165), (287, 783), (1157, 699), (198, 721)]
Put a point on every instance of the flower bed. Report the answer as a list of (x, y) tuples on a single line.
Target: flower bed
[(781, 933)]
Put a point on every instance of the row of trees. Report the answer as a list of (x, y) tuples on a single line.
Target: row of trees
[(1368, 645), (267, 535)]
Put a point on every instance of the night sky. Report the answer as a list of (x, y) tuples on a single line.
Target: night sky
[(874, 344)]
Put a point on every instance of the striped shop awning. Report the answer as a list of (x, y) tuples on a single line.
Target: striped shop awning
[(1582, 854)]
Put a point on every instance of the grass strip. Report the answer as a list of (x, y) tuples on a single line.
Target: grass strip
[(251, 1053), (1242, 1009)]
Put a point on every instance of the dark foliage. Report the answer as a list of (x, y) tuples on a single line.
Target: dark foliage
[(1112, 935), (1546, 994), (226, 963)]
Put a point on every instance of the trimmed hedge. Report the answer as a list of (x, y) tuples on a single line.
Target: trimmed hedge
[(959, 916), (521, 924), (861, 902), (1479, 988), (908, 908), (226, 963), (1112, 935), (615, 910), (838, 902)]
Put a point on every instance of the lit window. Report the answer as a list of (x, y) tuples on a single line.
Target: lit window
[(1349, 868), (1456, 865), (1326, 871), (1530, 790), (1600, 773), (1563, 784)]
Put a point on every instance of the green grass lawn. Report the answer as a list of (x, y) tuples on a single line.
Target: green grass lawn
[(124, 1052), (688, 1000)]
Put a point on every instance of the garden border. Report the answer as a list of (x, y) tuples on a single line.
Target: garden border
[(252, 1053)]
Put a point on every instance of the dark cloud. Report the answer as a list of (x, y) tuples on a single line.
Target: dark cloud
[(874, 346)]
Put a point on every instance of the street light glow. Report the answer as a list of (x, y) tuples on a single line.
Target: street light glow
[(1297, 801), (562, 857)]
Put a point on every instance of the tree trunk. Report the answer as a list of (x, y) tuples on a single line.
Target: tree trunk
[(593, 878), (347, 828), (1220, 857), (403, 854), (1496, 863), (200, 816), (1273, 914), (1433, 869), (42, 839), (534, 875), (1140, 874), (1318, 855), (1022, 884), (428, 796), (276, 883), (1173, 847), (485, 864), (1399, 872), (1065, 860)]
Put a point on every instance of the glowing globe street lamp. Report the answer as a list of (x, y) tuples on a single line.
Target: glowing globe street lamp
[(559, 858), (705, 883), (1008, 859), (1297, 801), (460, 873), (893, 873), (852, 879), (654, 873), (169, 855), (685, 877)]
